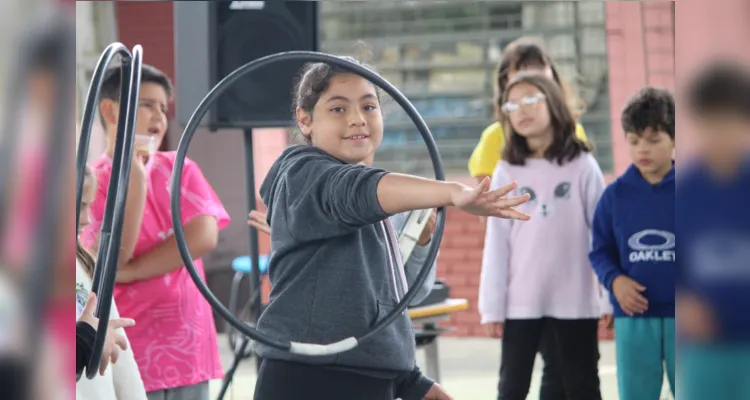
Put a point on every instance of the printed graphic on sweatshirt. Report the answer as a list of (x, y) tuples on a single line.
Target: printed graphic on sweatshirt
[(720, 256), (532, 195), (562, 190), (652, 245), (81, 296), (546, 204)]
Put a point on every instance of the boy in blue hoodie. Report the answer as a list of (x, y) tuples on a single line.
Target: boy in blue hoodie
[(633, 249), (713, 215)]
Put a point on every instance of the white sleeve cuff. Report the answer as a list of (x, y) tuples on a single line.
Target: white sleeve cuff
[(489, 318)]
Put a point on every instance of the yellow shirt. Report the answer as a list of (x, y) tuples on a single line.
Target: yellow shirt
[(490, 147)]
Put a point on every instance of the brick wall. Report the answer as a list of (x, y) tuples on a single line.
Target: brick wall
[(460, 264)]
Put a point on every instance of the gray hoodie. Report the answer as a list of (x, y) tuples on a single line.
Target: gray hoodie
[(330, 269)]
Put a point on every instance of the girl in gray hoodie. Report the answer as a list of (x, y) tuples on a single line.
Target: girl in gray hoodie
[(333, 270)]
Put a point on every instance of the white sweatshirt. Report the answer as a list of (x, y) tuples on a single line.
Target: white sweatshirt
[(540, 268), (121, 381)]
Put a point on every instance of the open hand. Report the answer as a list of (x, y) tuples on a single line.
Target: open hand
[(114, 341), (482, 201), (257, 219), (437, 393), (494, 330), (694, 318), (138, 171), (628, 294)]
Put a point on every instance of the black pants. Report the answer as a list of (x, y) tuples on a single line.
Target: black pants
[(570, 349), (279, 380)]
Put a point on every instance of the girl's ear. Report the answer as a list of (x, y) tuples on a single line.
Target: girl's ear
[(304, 121)]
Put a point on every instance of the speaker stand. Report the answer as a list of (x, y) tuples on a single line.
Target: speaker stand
[(255, 308), (239, 355)]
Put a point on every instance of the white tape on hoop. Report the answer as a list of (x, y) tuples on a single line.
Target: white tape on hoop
[(310, 349)]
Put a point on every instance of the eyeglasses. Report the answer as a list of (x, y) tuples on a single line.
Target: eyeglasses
[(512, 106)]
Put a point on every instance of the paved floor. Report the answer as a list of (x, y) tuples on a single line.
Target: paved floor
[(468, 366)]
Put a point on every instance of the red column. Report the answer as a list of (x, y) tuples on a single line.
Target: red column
[(640, 44), (150, 24)]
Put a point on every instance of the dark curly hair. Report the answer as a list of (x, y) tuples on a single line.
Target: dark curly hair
[(650, 108), (721, 87)]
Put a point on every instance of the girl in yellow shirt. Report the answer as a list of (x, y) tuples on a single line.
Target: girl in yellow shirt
[(521, 55)]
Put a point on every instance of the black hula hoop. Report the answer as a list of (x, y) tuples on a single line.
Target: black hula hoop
[(308, 349), (110, 236)]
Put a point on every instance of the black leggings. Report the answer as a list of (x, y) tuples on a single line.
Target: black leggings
[(280, 380), (570, 349)]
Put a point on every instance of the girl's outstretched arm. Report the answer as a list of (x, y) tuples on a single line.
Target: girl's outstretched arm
[(324, 197), (399, 193)]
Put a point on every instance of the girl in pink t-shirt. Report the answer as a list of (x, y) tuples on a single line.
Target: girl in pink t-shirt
[(174, 341)]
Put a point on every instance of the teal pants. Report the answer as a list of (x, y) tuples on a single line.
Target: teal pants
[(644, 347), (714, 372)]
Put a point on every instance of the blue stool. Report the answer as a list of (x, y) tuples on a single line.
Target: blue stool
[(242, 267), (244, 264)]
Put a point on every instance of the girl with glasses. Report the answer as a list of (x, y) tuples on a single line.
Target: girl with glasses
[(537, 289)]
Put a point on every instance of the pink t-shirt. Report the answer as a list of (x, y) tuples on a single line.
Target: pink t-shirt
[(174, 339)]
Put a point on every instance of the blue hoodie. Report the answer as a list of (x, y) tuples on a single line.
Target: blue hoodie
[(633, 235), (713, 220)]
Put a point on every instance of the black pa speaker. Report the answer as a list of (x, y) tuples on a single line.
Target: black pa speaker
[(235, 33)]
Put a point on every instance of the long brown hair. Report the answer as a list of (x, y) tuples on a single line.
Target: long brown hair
[(523, 52), (82, 255), (86, 259), (565, 146)]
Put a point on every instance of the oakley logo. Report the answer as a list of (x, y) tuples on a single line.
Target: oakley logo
[(663, 251)]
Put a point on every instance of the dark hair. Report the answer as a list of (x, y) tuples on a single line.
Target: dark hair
[(566, 146), (313, 81), (521, 53), (650, 108), (86, 259), (722, 87), (112, 82)]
